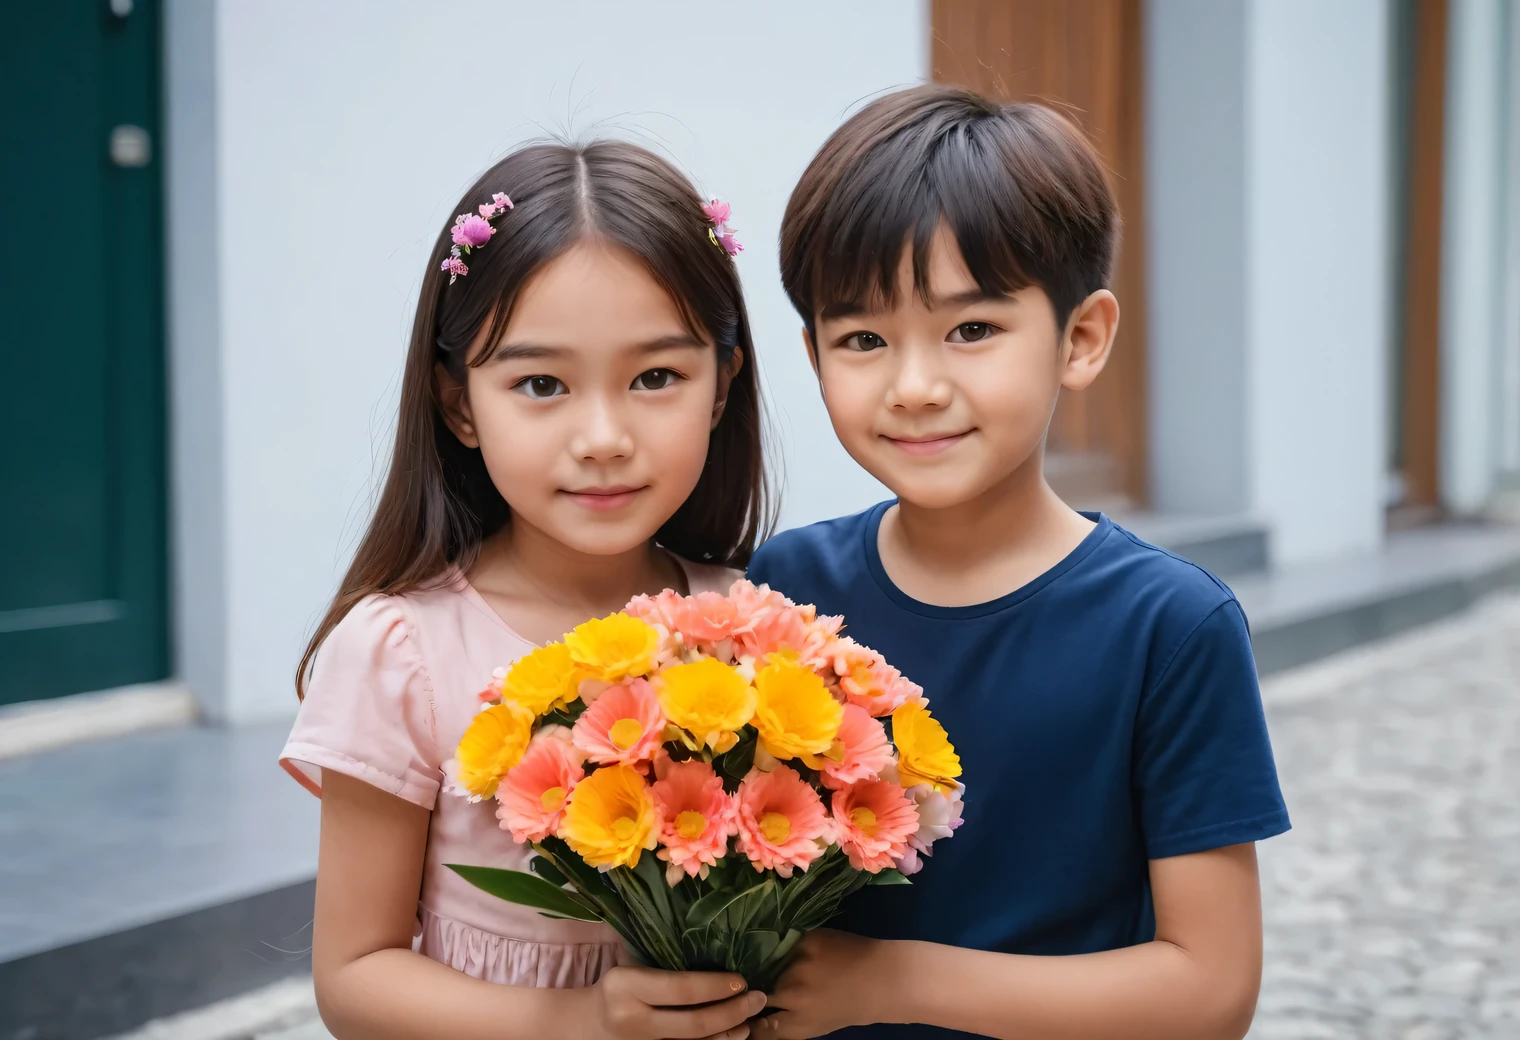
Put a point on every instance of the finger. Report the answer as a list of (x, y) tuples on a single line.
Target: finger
[(779, 1026), (678, 988), (716, 1018), (739, 1032)]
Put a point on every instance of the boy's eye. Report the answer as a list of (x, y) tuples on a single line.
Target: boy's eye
[(655, 379), (540, 387), (971, 332), (863, 341)]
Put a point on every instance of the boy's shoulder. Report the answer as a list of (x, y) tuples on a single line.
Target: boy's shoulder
[(829, 548), (1149, 570)]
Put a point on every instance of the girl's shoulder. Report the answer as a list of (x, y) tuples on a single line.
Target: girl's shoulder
[(708, 577)]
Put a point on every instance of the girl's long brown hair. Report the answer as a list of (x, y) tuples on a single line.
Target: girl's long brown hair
[(438, 502)]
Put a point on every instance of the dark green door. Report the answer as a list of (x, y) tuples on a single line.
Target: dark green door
[(82, 458)]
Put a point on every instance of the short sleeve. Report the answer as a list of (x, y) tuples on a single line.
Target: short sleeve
[(1203, 769), (368, 711)]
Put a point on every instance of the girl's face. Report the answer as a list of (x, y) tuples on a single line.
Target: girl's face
[(593, 411)]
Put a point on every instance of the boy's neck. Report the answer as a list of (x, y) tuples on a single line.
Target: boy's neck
[(984, 548)]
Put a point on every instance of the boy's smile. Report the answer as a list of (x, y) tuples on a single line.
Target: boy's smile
[(944, 395)]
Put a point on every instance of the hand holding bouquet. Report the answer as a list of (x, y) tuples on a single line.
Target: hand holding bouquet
[(710, 775)]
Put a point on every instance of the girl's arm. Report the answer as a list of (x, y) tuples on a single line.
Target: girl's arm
[(371, 984), (1197, 981)]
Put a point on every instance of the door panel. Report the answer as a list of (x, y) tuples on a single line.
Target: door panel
[(82, 557), (1082, 57)]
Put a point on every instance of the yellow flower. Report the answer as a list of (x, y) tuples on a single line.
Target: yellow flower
[(493, 743), (613, 648), (708, 699), (610, 819), (543, 680), (924, 753), (794, 712)]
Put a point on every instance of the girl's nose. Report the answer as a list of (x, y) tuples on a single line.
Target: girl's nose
[(603, 434)]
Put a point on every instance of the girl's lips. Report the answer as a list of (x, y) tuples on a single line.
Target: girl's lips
[(927, 445), (604, 500)]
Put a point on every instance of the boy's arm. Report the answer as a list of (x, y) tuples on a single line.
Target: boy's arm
[(1197, 981)]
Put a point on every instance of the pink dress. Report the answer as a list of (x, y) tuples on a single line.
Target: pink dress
[(393, 690)]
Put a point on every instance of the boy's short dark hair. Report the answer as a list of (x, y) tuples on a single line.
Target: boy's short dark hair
[(1023, 191)]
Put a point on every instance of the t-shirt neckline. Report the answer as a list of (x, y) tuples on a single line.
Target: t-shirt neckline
[(871, 530)]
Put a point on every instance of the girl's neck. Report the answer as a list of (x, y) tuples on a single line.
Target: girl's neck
[(523, 571)]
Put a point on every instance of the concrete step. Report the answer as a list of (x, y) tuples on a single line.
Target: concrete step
[(175, 869), (1228, 545)]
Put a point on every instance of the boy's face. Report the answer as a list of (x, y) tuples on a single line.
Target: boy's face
[(943, 402)]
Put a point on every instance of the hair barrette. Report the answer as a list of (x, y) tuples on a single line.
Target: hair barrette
[(471, 231), (721, 235)]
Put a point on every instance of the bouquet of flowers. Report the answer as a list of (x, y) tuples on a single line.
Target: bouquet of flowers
[(710, 775)]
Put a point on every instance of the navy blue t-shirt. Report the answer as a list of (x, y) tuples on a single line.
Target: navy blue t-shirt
[(1106, 714)]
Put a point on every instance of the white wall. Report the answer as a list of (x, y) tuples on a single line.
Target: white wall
[(344, 133), (1195, 255), (1316, 185)]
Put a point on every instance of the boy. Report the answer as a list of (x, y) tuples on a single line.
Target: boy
[(949, 259)]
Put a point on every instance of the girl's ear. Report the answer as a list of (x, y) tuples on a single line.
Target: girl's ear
[(454, 399), (725, 380)]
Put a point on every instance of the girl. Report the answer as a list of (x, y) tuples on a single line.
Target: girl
[(580, 423)]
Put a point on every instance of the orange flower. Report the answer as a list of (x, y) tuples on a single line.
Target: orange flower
[(696, 817), (531, 800)]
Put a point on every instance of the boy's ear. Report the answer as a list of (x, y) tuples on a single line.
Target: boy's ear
[(1089, 339), (455, 402), (726, 376)]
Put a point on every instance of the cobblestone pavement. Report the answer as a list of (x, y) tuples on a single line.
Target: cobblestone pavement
[(1393, 906)]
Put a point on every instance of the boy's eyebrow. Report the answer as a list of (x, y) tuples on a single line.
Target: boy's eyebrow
[(855, 309), (534, 351)]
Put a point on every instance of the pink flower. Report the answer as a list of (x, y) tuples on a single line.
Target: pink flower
[(470, 230), (873, 821), (532, 796), (866, 679), (455, 267), (730, 244), (501, 201), (717, 212), (696, 818), (939, 814), (659, 611), (623, 726), (863, 750), (705, 618), (782, 824)]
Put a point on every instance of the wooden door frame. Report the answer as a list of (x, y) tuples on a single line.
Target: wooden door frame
[(1122, 390)]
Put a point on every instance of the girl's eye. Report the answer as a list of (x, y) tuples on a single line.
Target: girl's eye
[(655, 379), (863, 341), (540, 388), (972, 332)]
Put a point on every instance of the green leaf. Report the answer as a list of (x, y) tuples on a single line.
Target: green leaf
[(517, 886), (753, 950), (545, 868), (890, 876)]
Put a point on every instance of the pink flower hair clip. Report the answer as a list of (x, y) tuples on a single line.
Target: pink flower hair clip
[(720, 233), (471, 231)]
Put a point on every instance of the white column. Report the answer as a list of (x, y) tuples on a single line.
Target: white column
[(1316, 171), (1509, 400), (1472, 254)]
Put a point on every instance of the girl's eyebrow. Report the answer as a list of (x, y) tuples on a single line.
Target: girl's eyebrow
[(536, 351)]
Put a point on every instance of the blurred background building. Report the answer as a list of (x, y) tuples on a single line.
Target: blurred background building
[(216, 218)]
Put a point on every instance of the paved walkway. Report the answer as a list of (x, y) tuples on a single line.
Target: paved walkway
[(1392, 908)]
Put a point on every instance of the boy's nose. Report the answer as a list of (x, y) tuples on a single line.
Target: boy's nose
[(919, 383)]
